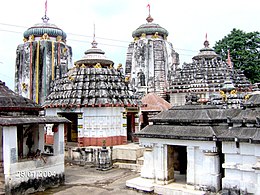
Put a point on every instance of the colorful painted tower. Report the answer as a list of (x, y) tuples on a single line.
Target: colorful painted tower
[(43, 57), (150, 59)]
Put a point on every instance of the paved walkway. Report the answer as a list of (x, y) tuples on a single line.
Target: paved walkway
[(80, 180)]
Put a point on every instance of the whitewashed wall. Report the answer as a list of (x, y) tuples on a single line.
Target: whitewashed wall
[(103, 122), (98, 121), (240, 163)]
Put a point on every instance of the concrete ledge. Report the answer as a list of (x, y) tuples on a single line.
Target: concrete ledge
[(139, 183)]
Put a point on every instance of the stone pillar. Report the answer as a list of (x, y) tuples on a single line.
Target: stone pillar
[(58, 145), (41, 137), (211, 166), (160, 164), (10, 148), (190, 165), (148, 167)]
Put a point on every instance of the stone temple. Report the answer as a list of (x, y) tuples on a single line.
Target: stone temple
[(43, 57), (96, 98), (206, 77), (150, 59)]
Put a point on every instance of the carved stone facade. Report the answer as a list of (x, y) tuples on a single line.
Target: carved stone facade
[(150, 59), (43, 57)]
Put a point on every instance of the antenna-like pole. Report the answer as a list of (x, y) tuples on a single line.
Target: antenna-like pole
[(45, 18), (94, 43)]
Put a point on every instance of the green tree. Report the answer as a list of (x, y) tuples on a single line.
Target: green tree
[(244, 52)]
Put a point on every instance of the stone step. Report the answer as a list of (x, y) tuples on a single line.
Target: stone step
[(134, 167)]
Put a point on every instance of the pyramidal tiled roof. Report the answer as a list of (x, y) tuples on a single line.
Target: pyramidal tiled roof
[(92, 82), (206, 73), (89, 87), (10, 101)]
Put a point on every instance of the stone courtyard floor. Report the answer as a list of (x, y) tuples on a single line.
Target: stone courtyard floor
[(80, 180)]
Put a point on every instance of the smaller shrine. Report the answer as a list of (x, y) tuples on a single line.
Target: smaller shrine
[(201, 149), (95, 96), (25, 166), (228, 96), (205, 77)]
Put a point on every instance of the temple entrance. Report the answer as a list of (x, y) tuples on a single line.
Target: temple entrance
[(177, 163), (71, 130), (130, 121)]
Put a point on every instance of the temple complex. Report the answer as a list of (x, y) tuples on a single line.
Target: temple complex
[(43, 57), (205, 78), (25, 168), (150, 59), (96, 98), (202, 148)]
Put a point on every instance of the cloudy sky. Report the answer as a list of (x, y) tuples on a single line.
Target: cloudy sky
[(186, 20)]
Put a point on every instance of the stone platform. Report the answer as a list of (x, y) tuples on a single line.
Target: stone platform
[(175, 188), (128, 156), (128, 153)]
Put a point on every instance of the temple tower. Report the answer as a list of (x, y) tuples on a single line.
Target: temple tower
[(150, 59), (96, 98), (205, 77), (43, 57)]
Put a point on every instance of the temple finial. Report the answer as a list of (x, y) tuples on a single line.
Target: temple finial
[(45, 18), (149, 9), (206, 42), (94, 43), (149, 18)]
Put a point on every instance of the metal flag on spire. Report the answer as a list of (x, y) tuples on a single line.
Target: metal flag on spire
[(149, 8), (45, 18), (94, 43), (46, 5), (149, 18)]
